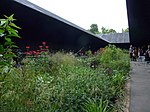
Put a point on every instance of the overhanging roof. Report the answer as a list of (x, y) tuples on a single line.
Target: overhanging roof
[(116, 38), (40, 25)]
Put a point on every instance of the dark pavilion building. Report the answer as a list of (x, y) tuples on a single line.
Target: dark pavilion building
[(40, 25), (139, 21)]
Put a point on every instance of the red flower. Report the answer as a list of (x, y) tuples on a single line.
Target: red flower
[(43, 43), (27, 47), (47, 47), (34, 52), (37, 53), (40, 46), (27, 53), (30, 52)]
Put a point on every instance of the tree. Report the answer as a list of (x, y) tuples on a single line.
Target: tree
[(94, 29), (107, 31), (125, 30), (104, 30), (112, 31)]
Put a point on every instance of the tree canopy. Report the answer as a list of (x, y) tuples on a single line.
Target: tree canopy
[(94, 29), (105, 30)]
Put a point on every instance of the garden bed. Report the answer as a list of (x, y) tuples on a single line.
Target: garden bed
[(62, 82)]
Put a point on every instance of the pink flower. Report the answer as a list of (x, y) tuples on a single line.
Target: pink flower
[(47, 47), (43, 43)]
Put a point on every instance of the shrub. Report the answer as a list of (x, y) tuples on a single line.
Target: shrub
[(115, 58)]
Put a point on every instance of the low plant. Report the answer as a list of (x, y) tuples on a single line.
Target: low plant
[(101, 106)]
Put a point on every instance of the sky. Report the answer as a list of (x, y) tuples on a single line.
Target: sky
[(106, 13)]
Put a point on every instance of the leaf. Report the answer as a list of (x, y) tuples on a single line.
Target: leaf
[(6, 23), (8, 43), (10, 18), (14, 46), (15, 26), (1, 34), (8, 28), (10, 55), (3, 21), (13, 35), (1, 48), (1, 31), (6, 16), (12, 31), (8, 39), (5, 69)]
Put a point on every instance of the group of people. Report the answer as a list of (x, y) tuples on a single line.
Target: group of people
[(139, 53)]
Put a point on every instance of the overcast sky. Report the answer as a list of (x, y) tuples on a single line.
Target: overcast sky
[(107, 13)]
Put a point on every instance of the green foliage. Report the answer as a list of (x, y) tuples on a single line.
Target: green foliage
[(115, 58), (112, 31), (94, 29), (62, 82), (125, 30), (88, 53), (107, 31), (92, 106), (62, 58), (7, 30)]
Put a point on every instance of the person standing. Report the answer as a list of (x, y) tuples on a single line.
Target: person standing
[(131, 52), (147, 54), (140, 53)]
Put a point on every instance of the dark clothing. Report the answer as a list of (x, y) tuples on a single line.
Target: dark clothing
[(147, 55), (131, 55)]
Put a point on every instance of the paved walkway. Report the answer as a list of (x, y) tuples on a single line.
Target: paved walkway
[(140, 87)]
